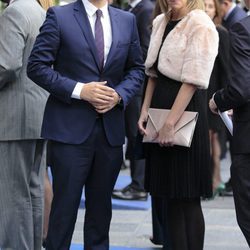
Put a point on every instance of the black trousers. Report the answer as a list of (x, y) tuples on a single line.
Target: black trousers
[(240, 175), (137, 166), (93, 164)]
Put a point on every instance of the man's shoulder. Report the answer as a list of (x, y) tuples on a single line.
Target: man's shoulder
[(22, 10), (245, 22), (23, 6), (61, 12), (123, 16), (237, 14), (146, 5), (121, 13), (64, 8), (242, 26)]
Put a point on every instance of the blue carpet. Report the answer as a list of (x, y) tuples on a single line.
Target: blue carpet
[(122, 181), (80, 247)]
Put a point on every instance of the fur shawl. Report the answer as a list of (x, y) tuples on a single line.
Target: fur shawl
[(189, 50)]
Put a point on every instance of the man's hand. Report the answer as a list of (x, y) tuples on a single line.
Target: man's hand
[(230, 113), (102, 97), (103, 108), (213, 106)]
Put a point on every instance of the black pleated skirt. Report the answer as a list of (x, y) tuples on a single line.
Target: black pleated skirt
[(180, 172)]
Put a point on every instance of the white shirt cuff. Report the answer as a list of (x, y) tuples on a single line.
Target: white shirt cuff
[(77, 91)]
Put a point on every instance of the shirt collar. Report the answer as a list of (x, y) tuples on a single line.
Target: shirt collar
[(91, 9), (229, 11), (134, 3)]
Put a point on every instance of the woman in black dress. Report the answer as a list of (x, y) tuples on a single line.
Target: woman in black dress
[(181, 54)]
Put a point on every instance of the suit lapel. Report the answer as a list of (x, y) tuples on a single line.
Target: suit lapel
[(137, 8), (231, 18), (83, 21), (115, 35)]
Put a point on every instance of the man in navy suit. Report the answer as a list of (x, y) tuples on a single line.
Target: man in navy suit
[(237, 97), (97, 68), (231, 13)]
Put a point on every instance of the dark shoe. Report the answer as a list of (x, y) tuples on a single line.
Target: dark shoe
[(130, 193), (156, 241), (44, 243)]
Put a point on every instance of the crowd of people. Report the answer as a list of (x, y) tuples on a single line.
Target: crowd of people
[(74, 84)]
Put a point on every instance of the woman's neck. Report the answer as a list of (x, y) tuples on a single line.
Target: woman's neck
[(178, 14)]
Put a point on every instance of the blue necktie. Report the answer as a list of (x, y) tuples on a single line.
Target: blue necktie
[(99, 40)]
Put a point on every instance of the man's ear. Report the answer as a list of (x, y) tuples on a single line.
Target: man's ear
[(227, 3)]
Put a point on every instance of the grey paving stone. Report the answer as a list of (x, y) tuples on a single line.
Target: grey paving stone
[(132, 228), (124, 227)]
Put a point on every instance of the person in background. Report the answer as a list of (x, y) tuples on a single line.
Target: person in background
[(181, 55), (158, 203), (218, 80), (48, 192), (236, 96), (22, 151), (97, 69), (48, 196), (230, 14), (143, 10)]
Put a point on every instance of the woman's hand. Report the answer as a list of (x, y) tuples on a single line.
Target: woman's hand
[(166, 135), (142, 122)]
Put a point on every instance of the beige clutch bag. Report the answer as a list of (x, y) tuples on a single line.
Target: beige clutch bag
[(184, 128)]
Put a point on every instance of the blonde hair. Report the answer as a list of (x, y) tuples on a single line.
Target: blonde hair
[(46, 3), (157, 10), (191, 5)]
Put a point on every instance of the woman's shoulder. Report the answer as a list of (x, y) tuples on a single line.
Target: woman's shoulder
[(199, 17), (159, 19)]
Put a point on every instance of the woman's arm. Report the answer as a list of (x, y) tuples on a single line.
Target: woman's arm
[(166, 133), (146, 104)]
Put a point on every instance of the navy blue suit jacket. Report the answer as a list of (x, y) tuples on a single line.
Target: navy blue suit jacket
[(143, 12), (236, 95), (66, 42), (236, 15)]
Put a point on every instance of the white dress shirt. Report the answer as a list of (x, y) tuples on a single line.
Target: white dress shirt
[(107, 33), (134, 3)]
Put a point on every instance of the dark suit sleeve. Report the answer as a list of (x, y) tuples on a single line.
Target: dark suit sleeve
[(237, 93), (134, 69), (143, 23), (223, 56), (42, 58)]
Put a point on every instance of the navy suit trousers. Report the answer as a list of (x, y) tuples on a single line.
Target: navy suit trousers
[(93, 164)]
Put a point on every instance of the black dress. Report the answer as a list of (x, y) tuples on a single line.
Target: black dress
[(179, 172)]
